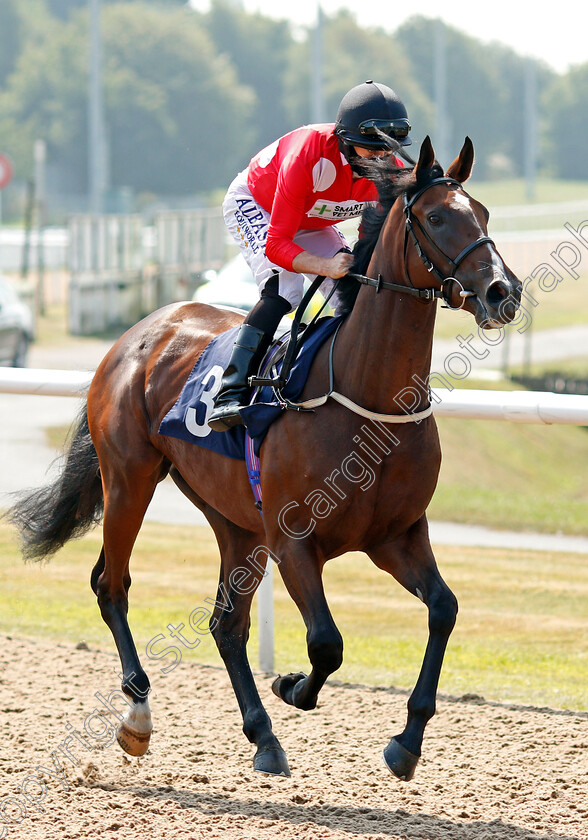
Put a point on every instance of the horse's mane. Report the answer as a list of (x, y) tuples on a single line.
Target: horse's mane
[(392, 181)]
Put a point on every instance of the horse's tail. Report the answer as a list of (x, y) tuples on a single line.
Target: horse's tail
[(67, 508)]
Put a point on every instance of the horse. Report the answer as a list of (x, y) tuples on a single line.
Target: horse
[(320, 500)]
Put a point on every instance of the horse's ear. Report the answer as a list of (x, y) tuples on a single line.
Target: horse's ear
[(426, 156), (461, 168)]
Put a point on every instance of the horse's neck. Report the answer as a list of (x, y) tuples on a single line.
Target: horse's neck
[(385, 345)]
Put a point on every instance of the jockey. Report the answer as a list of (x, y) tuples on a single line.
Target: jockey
[(282, 211)]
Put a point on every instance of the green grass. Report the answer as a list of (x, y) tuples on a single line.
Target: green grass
[(567, 303), (514, 191), (521, 636), (55, 436), (52, 328), (513, 476), (565, 306), (574, 368)]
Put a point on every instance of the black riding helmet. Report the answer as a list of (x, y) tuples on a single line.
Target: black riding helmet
[(366, 111)]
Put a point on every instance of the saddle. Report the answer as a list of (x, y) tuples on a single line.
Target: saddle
[(281, 379)]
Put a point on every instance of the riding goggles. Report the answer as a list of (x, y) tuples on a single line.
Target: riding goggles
[(397, 129)]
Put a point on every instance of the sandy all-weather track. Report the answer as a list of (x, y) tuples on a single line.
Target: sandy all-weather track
[(490, 771)]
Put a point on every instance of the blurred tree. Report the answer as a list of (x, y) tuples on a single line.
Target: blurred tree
[(473, 97), (34, 29), (20, 23), (167, 99), (63, 8), (352, 54), (10, 38), (191, 97), (259, 47), (565, 109), (485, 91), (169, 92)]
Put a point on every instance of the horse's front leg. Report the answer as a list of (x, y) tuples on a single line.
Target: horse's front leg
[(301, 570), (412, 563)]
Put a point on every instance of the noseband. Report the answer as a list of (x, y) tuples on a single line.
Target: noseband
[(447, 282)]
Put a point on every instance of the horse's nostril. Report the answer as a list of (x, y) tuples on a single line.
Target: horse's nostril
[(498, 291)]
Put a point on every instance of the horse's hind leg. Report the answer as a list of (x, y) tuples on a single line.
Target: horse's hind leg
[(412, 563), (127, 493), (243, 563)]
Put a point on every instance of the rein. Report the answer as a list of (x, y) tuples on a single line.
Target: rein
[(277, 383), (316, 402), (428, 294)]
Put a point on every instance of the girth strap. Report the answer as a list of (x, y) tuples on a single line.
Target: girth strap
[(315, 402), (309, 405)]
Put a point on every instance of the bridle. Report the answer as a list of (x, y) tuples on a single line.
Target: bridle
[(445, 292)]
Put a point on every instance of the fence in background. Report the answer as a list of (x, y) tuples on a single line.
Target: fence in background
[(187, 242), (120, 270), (106, 267), (527, 234), (181, 244), (53, 243), (543, 407), (538, 217)]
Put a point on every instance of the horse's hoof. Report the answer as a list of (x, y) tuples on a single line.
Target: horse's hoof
[(283, 687), (132, 742), (400, 761), (273, 762)]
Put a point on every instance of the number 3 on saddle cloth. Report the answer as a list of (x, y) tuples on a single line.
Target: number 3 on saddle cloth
[(188, 418)]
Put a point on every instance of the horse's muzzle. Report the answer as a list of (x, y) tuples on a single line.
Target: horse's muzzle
[(500, 303)]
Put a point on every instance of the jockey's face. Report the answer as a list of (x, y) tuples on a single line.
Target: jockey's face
[(370, 153)]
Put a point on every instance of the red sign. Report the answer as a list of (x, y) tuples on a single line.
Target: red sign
[(5, 171)]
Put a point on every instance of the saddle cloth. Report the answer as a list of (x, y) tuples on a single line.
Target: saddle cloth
[(187, 419)]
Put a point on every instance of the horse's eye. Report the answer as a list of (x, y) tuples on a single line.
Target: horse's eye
[(434, 219)]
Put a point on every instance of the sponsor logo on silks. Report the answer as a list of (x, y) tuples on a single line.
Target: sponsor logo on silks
[(252, 224), (339, 209)]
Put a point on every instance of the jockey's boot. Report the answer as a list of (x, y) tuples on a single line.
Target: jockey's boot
[(233, 395), (253, 339)]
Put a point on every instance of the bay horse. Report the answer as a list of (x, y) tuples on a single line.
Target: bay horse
[(426, 231)]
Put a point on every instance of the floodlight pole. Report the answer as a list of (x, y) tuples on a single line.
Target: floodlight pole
[(317, 100), (530, 145), (440, 94), (97, 166)]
